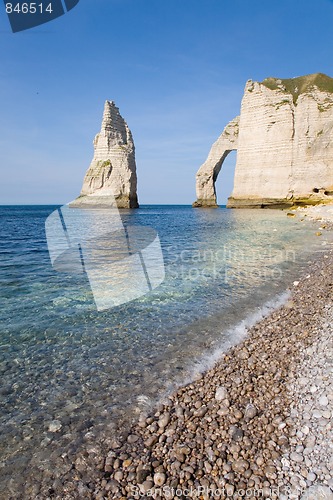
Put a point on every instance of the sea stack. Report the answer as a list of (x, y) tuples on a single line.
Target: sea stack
[(112, 172), (284, 143)]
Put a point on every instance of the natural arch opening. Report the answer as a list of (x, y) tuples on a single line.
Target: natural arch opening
[(224, 183), (209, 171)]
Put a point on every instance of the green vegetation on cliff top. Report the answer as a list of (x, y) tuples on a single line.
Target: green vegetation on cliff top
[(300, 84)]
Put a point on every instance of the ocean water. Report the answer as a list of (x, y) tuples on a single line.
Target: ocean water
[(61, 359)]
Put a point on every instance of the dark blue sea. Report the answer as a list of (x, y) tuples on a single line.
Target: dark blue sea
[(67, 369)]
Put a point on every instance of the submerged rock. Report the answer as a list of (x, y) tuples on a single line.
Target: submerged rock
[(55, 426)]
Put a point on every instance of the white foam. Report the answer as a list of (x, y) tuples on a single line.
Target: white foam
[(230, 338), (238, 332)]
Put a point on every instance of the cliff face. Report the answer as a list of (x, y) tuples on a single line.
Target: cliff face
[(285, 144), (113, 169)]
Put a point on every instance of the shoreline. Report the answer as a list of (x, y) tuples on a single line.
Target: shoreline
[(238, 426), (189, 436)]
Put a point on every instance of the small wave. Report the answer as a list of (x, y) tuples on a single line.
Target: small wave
[(237, 333), (230, 337)]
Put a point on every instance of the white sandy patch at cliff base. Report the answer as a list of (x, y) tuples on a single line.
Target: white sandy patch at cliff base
[(323, 212)]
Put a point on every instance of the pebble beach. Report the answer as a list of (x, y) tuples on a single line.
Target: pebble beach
[(252, 419), (256, 425)]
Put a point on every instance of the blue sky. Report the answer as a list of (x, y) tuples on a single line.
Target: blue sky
[(176, 69)]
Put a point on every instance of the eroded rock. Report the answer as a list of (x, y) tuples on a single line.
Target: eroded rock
[(112, 172)]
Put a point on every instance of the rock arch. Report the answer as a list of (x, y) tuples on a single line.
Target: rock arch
[(208, 172)]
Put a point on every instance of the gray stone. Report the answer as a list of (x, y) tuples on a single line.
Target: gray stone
[(164, 420), (311, 476), (221, 393), (55, 426), (318, 492), (146, 486), (296, 457), (159, 478)]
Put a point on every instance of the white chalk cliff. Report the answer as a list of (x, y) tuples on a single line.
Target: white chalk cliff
[(112, 171), (284, 143)]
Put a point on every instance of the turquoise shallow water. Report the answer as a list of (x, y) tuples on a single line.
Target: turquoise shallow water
[(62, 360)]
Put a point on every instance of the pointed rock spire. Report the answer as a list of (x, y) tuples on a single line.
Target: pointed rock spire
[(113, 168)]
